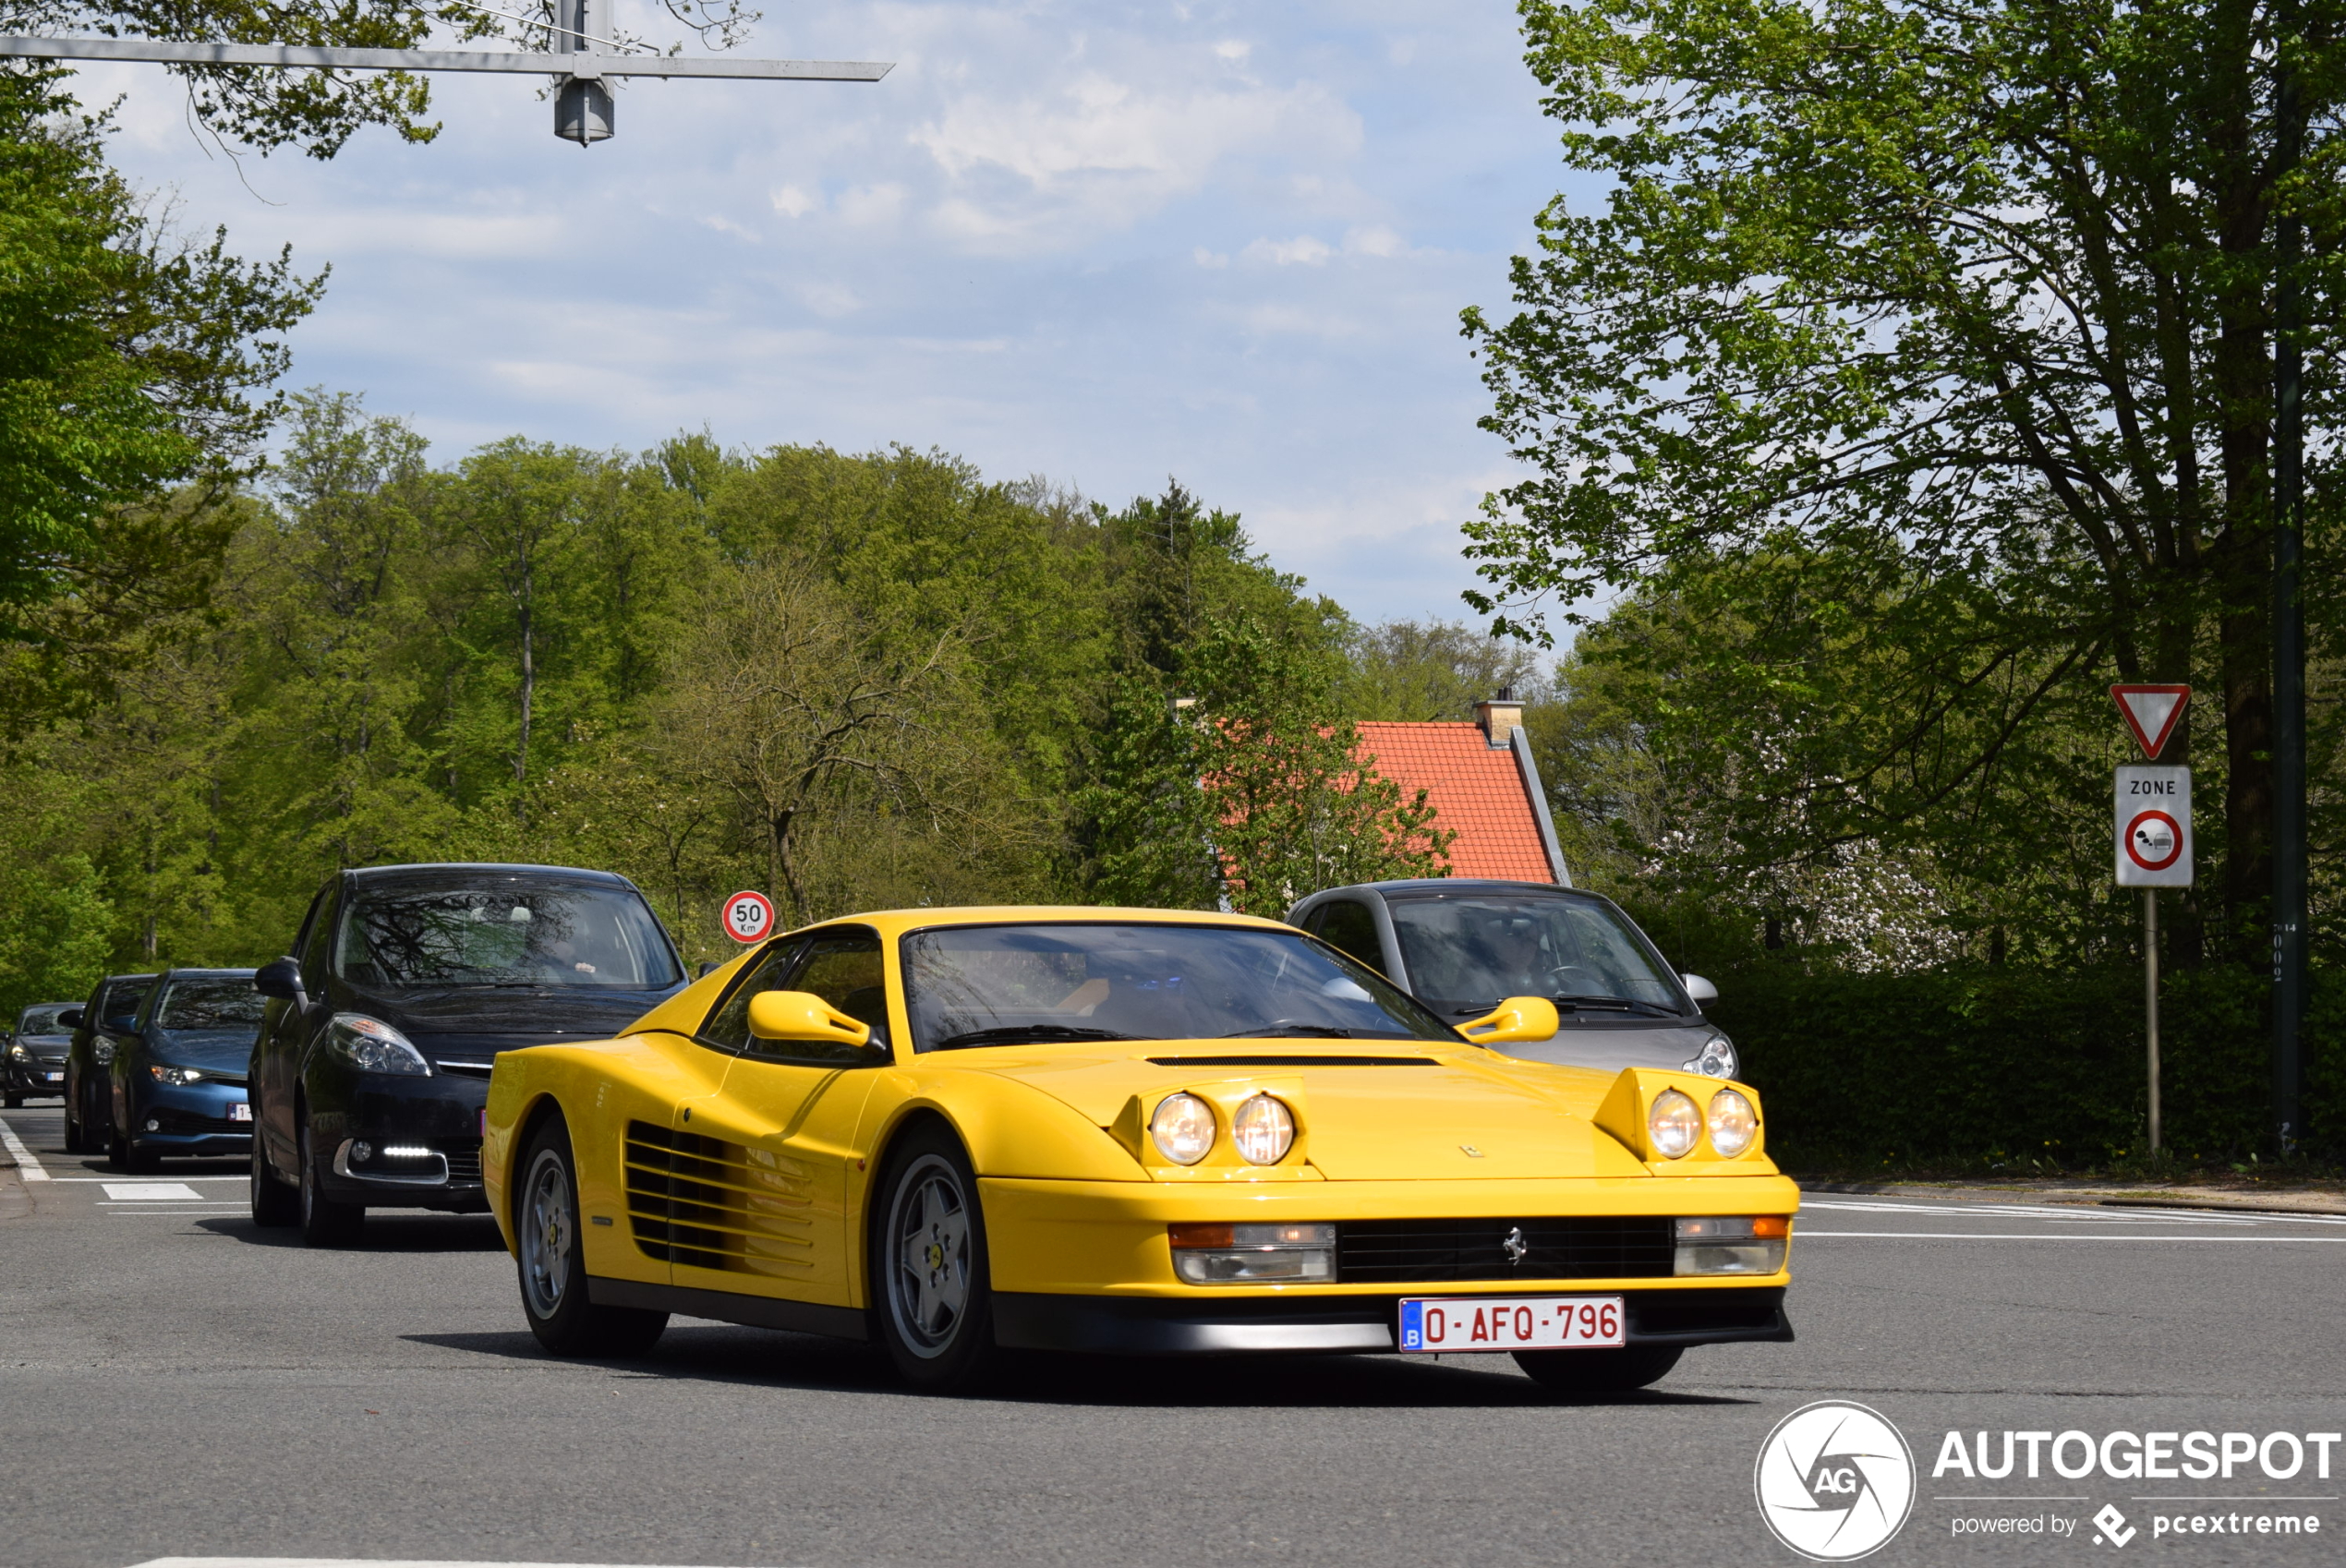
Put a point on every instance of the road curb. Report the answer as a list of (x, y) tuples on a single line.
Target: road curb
[(2299, 1202)]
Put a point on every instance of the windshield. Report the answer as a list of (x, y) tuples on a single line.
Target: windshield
[(43, 1020), (1467, 953), (503, 931), (210, 1003), (1011, 984)]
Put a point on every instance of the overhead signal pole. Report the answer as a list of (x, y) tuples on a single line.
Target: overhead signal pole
[(580, 56)]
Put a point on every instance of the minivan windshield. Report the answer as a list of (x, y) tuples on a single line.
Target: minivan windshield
[(495, 930), (1467, 952), (1077, 980), (218, 1003)]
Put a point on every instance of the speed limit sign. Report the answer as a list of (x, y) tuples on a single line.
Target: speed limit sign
[(749, 917)]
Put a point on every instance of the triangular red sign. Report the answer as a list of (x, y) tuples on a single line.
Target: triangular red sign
[(2150, 713)]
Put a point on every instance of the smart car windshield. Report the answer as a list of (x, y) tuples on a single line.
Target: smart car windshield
[(1467, 952), (222, 1003), (499, 931), (1078, 981)]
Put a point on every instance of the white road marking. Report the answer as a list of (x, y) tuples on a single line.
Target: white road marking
[(144, 1181), (27, 1165), (153, 1192), (348, 1563), (2099, 1214)]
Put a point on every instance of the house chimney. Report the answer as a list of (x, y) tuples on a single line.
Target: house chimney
[(1500, 717)]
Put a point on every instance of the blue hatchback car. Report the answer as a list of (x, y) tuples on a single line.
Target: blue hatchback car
[(179, 1076)]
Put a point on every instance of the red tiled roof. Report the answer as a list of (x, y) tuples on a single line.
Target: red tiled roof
[(1473, 787)]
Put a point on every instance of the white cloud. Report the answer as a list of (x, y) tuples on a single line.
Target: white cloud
[(1206, 258), (792, 202), (871, 205), (1300, 251), (1373, 239), (1233, 49)]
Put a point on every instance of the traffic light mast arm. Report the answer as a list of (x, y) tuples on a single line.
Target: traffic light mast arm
[(293, 57)]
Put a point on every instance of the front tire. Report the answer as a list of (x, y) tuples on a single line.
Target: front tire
[(140, 1162), (324, 1222), (12, 1102), (931, 1287), (1599, 1371), (552, 1260)]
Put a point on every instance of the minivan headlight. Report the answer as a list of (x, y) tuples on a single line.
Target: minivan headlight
[(373, 1045), (1716, 1059)]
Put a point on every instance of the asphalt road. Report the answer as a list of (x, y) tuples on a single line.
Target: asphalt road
[(176, 1384)]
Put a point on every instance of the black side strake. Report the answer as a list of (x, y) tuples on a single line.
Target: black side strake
[(1295, 1061)]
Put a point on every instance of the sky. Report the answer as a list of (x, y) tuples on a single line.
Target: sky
[(1099, 243)]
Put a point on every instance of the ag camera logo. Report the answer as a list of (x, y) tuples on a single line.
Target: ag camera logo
[(1835, 1481)]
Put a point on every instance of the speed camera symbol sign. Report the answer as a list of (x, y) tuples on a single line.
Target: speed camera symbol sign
[(2153, 821), (748, 917)]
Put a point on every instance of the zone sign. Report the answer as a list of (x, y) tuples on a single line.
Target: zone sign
[(2153, 821), (749, 917)]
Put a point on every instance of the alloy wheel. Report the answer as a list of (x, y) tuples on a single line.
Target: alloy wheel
[(928, 1286)]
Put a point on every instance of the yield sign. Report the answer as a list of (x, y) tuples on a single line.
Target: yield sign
[(2151, 712)]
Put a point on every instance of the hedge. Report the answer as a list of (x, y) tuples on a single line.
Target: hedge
[(2017, 1068)]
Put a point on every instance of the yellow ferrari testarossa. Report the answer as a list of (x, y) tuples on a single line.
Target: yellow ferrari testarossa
[(959, 1131)]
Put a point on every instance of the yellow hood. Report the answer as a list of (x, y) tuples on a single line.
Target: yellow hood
[(1366, 1110)]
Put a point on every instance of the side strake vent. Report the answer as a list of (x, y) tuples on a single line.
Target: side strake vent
[(710, 1204)]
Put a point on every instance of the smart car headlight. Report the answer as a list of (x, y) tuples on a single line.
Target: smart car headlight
[(373, 1045), (1182, 1128), (1675, 1124), (162, 1074), (1734, 1120), (1263, 1129), (1716, 1059)]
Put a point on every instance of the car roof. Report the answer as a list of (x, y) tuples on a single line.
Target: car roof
[(897, 921), (494, 868), (207, 975), (114, 979), (1458, 885)]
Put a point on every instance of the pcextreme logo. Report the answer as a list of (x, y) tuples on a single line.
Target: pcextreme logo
[(1835, 1481)]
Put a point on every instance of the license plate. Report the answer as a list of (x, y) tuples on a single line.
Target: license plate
[(1513, 1323), (55, 1077), (241, 1111)]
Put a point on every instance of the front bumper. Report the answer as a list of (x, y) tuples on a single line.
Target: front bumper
[(1343, 1324), (34, 1077), (439, 1114), (190, 1120)]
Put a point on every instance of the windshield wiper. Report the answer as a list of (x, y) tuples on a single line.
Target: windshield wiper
[(1026, 1033), (1622, 1002), (1290, 1031)]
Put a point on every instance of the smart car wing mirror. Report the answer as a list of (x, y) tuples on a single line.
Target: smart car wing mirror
[(1699, 988), (1518, 1018), (801, 1015), (69, 1018), (280, 978)]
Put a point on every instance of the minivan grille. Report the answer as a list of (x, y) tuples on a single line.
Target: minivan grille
[(710, 1204), (1442, 1252)]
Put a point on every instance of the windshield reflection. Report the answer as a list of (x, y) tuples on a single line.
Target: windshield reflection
[(515, 933), (1467, 953)]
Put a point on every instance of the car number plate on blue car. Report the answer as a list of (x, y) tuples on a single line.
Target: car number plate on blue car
[(1513, 1323), (241, 1111)]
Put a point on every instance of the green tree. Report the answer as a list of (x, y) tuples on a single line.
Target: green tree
[(1979, 295), (132, 363)]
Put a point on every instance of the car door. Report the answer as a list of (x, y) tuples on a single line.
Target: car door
[(285, 1027), (782, 1131)]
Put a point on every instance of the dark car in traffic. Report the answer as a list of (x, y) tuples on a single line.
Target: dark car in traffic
[(1461, 944), (99, 1026), (178, 1072), (371, 1068), (35, 1053)]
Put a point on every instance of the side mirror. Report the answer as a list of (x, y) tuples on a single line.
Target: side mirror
[(1518, 1018), (69, 1018), (1699, 988), (801, 1015), (280, 978)]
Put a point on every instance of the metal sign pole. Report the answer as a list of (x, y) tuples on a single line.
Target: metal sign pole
[(2150, 1002), (577, 62), (2289, 625)]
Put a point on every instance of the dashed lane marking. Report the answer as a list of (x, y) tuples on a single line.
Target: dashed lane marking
[(28, 1166), (152, 1192), (348, 1563)]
